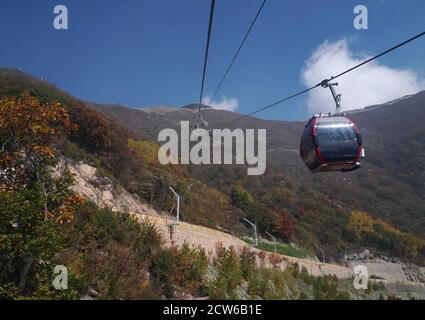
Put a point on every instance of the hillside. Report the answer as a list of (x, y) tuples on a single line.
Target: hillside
[(390, 130), (125, 157), (390, 185), (296, 206)]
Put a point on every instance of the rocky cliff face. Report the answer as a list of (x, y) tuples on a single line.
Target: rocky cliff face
[(99, 189)]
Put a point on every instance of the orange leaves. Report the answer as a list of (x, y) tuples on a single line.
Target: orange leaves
[(27, 118), (67, 211), (45, 150), (284, 224), (275, 259), (27, 128)]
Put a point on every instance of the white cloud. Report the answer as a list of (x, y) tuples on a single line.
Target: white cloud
[(225, 104), (371, 84)]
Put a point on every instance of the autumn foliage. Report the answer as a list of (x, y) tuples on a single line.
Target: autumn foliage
[(284, 224), (33, 201), (27, 128), (363, 228)]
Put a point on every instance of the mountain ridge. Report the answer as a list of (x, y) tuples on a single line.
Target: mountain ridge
[(288, 200)]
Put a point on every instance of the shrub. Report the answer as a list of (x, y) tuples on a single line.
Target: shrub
[(179, 268), (248, 262), (110, 252), (229, 275)]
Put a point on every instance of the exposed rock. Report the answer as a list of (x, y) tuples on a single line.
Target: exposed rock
[(92, 292), (101, 190)]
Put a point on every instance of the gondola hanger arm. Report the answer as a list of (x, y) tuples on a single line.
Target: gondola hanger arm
[(337, 97)]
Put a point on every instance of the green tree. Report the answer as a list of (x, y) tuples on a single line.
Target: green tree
[(33, 201), (241, 198)]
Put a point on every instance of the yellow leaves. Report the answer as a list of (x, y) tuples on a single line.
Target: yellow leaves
[(39, 129), (360, 222), (145, 149), (364, 223)]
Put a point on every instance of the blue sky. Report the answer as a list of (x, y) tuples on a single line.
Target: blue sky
[(144, 53)]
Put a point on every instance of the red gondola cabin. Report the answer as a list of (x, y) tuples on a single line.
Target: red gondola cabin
[(331, 143)]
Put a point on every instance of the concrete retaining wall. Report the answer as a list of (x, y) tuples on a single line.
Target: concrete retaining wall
[(407, 288), (391, 272), (209, 239)]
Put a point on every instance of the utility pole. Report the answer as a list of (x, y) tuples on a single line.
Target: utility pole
[(255, 230), (274, 240), (178, 204)]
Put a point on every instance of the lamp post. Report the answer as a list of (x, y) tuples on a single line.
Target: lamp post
[(255, 230), (274, 240), (323, 253), (178, 204)]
